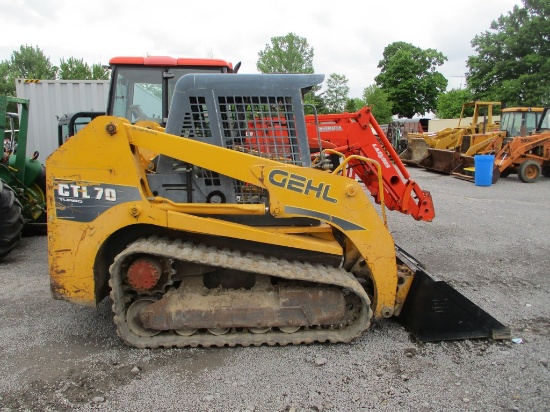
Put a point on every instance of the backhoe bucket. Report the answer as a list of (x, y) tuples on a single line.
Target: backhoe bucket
[(415, 152), (435, 311), (442, 161)]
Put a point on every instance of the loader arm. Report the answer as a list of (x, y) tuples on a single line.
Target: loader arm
[(360, 134), (485, 143), (519, 146)]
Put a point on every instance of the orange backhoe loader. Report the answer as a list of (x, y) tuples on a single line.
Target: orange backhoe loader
[(525, 148)]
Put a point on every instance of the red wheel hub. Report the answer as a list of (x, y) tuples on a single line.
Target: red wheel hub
[(143, 274)]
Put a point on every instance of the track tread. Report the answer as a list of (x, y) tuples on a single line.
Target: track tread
[(230, 259)]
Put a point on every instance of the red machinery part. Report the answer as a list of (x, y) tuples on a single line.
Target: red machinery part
[(143, 274), (360, 134)]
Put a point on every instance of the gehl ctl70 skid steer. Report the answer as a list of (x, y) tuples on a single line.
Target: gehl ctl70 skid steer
[(231, 234)]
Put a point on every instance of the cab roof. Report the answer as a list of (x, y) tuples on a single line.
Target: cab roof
[(523, 109), (168, 61)]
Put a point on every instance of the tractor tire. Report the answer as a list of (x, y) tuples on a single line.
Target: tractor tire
[(529, 171), (11, 220), (546, 171), (38, 187)]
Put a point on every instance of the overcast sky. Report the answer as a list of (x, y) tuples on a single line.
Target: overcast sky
[(348, 37)]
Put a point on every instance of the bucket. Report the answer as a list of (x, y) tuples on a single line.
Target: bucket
[(483, 174)]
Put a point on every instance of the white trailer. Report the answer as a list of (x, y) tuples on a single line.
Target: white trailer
[(51, 99)]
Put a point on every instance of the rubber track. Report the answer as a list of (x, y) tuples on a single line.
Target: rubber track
[(259, 264)]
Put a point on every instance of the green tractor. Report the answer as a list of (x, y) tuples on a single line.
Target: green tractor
[(22, 180)]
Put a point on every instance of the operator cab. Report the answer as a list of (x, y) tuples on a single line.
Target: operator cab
[(142, 87), (544, 123), (518, 120)]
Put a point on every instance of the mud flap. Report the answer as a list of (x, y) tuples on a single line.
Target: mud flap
[(435, 311)]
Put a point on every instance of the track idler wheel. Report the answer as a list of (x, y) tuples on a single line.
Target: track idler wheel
[(218, 331), (186, 332), (259, 330), (134, 320)]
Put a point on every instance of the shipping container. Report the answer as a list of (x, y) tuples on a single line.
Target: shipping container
[(50, 100)]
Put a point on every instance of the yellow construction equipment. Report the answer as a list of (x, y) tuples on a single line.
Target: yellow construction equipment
[(441, 151), (524, 147), (231, 234)]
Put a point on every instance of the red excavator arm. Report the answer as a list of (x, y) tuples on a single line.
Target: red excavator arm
[(360, 134)]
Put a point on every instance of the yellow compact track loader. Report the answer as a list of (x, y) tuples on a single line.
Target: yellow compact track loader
[(221, 230)]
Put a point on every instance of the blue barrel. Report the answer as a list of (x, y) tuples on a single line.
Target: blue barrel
[(483, 174)]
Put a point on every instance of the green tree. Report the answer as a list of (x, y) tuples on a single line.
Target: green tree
[(100, 72), (28, 62), (286, 54), (77, 69), (408, 76), (74, 69), (354, 104), (513, 57), (337, 92), (291, 54), (449, 104), (6, 87), (375, 97), (31, 63), (312, 99)]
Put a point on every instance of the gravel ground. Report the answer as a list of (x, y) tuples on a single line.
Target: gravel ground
[(491, 243)]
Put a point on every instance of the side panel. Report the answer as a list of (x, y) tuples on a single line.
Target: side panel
[(73, 246), (93, 185)]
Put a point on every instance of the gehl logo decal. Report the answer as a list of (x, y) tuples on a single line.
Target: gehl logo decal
[(300, 184)]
